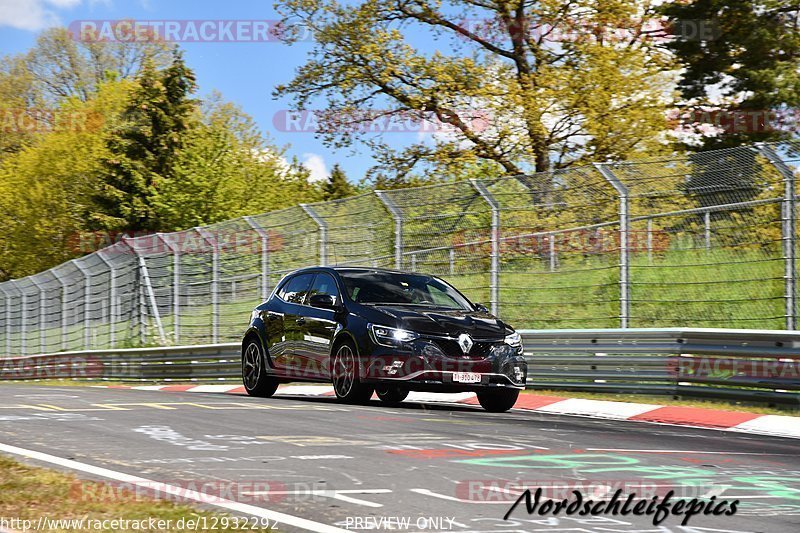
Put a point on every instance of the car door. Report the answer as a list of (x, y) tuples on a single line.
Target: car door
[(286, 324), (320, 326)]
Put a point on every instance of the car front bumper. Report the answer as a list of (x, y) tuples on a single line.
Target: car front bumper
[(423, 365)]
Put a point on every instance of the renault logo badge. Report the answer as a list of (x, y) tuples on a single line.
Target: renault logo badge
[(465, 341)]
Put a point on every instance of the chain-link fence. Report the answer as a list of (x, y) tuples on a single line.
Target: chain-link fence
[(703, 240)]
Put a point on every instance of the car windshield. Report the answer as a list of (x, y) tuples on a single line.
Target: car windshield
[(368, 287)]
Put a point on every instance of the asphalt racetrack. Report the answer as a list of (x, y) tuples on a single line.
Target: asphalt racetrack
[(319, 465)]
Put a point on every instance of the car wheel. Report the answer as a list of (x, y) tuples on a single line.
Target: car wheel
[(389, 394), (254, 374), (498, 401), (344, 376)]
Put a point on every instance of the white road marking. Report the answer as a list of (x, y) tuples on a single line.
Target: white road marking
[(214, 388), (601, 408), (427, 492), (165, 488), (335, 494), (784, 426)]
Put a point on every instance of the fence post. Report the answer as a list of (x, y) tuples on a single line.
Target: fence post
[(707, 222), (112, 290), (7, 320), (264, 255), (323, 233), (788, 228), (494, 271), (176, 288), (64, 308), (151, 296), (650, 241), (211, 240), (87, 297), (23, 333), (624, 224), (42, 318), (397, 216)]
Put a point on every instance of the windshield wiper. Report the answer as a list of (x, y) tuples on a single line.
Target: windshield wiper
[(416, 305)]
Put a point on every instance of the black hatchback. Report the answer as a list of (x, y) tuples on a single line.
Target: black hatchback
[(371, 330)]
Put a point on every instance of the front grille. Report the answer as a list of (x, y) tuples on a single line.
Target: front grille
[(480, 350)]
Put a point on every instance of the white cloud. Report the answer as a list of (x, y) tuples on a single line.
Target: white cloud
[(316, 166), (32, 15)]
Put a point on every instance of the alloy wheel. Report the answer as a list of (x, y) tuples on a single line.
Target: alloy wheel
[(252, 366), (344, 366)]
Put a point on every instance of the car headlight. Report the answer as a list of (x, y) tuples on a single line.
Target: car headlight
[(255, 314), (514, 340), (386, 336)]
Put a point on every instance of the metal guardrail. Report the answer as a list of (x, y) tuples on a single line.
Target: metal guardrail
[(171, 363), (758, 366)]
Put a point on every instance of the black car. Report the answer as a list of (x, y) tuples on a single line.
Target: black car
[(391, 332)]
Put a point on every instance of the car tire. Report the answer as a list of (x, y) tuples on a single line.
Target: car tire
[(390, 394), (498, 401), (345, 378), (254, 373)]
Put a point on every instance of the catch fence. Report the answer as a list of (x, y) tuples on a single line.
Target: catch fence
[(698, 240)]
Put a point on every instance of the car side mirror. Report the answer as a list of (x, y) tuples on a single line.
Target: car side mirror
[(324, 301), (482, 308)]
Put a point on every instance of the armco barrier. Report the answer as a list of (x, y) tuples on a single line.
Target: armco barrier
[(760, 366), (746, 365)]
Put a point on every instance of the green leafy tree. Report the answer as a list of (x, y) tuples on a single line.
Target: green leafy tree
[(145, 149), (227, 169), (19, 120), (46, 186), (63, 66), (527, 85), (34, 84), (337, 186), (748, 62)]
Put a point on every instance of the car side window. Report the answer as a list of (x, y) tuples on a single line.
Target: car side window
[(295, 289), (324, 284)]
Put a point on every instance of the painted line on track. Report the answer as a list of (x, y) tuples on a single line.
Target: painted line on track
[(243, 508), (673, 416)]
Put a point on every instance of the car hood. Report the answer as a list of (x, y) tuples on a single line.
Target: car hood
[(435, 321)]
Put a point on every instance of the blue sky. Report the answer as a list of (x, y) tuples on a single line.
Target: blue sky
[(244, 73)]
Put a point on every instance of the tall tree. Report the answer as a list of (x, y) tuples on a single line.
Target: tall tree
[(59, 67), (62, 65), (528, 85), (227, 168), (337, 186), (46, 186), (20, 106), (146, 148), (747, 63)]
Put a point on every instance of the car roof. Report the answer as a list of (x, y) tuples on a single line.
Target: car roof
[(355, 269)]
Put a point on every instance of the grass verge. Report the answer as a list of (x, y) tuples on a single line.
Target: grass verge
[(29, 493)]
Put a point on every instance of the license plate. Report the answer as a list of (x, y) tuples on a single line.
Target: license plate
[(466, 377)]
